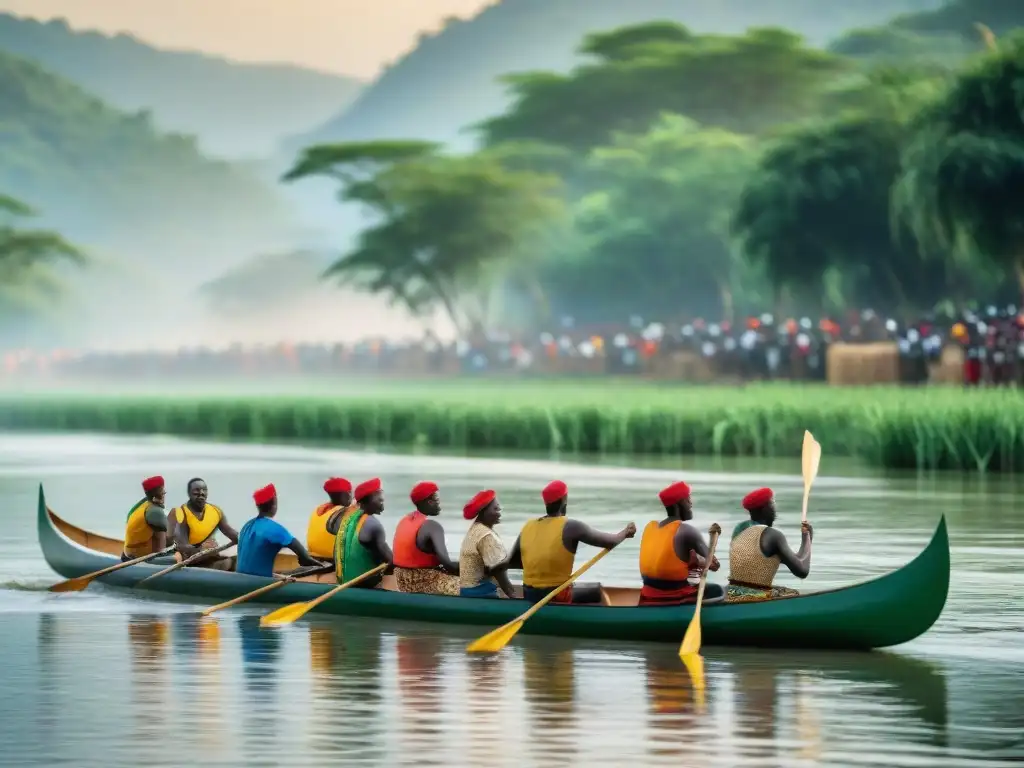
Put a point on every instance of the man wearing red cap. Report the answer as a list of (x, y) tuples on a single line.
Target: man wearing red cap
[(262, 538), (196, 521), (362, 544), (326, 518), (421, 557), (673, 554), (482, 566), (546, 549), (757, 549), (145, 530)]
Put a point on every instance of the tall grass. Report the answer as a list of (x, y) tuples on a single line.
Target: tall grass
[(928, 428)]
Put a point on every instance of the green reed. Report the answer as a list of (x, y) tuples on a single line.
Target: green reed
[(927, 428)]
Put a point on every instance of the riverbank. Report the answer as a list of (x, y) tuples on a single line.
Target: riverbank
[(927, 428)]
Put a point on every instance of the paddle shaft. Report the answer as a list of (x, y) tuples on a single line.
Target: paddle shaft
[(187, 561), (90, 576), (314, 603), (704, 575), (279, 581), (554, 593)]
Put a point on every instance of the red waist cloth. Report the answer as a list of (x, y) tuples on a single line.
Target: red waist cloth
[(652, 596)]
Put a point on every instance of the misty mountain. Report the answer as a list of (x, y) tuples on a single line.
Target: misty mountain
[(449, 82), (235, 109)]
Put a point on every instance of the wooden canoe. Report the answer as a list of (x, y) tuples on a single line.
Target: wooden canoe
[(877, 613)]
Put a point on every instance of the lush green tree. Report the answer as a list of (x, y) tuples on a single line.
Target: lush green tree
[(963, 167), (747, 83), (653, 237), (443, 226)]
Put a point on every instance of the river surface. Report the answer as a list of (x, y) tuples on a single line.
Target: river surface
[(100, 678)]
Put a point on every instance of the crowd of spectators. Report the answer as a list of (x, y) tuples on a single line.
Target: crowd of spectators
[(759, 347)]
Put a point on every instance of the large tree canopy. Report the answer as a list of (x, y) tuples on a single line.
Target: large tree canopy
[(963, 168), (440, 222), (747, 84)]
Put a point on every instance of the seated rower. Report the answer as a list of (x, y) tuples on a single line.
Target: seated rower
[(262, 538), (546, 550), (361, 544), (421, 557), (757, 549), (482, 566), (145, 531), (326, 518), (673, 553), (195, 524)]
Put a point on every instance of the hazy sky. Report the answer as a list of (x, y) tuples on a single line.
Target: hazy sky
[(355, 37)]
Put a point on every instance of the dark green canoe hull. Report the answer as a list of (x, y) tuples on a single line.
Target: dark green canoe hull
[(882, 612)]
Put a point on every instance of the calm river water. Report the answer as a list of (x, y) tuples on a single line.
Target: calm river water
[(99, 678)]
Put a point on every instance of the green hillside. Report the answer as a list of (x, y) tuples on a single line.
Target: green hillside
[(450, 80), (943, 34), (110, 181), (235, 109)]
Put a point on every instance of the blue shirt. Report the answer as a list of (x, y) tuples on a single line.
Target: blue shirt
[(259, 541)]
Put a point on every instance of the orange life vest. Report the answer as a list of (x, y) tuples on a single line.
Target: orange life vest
[(407, 554), (320, 541), (658, 558)]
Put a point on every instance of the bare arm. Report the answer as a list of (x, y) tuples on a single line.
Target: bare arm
[(688, 539), (334, 521), (159, 541), (373, 537), (430, 539), (227, 530), (515, 558), (181, 540), (577, 532), (799, 563), (300, 552)]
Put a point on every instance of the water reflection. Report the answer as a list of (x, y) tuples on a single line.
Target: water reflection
[(672, 706), (261, 667), (549, 683), (197, 651), (486, 690), (421, 692), (148, 640)]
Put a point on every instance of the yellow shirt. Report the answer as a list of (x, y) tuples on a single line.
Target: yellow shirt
[(546, 561)]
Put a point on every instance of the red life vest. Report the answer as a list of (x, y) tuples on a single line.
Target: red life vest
[(407, 554)]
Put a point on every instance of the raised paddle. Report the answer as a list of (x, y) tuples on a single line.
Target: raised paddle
[(81, 582), (494, 641), (296, 611), (691, 640), (187, 561), (810, 458), (279, 582)]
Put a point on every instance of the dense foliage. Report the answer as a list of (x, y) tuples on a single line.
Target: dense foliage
[(976, 431), (709, 174)]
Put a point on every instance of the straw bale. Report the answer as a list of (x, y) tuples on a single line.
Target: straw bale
[(863, 364), (949, 369)]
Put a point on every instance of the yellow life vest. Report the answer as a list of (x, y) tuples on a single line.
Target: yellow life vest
[(138, 535), (320, 541), (546, 561), (199, 530)]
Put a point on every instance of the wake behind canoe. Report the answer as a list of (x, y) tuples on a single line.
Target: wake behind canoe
[(885, 611)]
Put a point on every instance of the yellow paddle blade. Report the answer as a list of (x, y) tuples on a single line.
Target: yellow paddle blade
[(494, 641), (285, 615), (72, 585), (810, 458), (695, 666), (691, 640)]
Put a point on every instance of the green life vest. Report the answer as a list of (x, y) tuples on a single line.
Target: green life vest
[(351, 558)]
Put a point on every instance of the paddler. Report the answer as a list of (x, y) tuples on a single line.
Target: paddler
[(546, 549), (482, 566), (421, 558), (362, 544), (196, 521), (326, 518), (263, 537), (145, 531), (673, 553), (757, 549)]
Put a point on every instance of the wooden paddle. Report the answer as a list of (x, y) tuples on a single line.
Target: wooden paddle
[(197, 556), (691, 640), (811, 458), (296, 611), (494, 641), (81, 582), (279, 582)]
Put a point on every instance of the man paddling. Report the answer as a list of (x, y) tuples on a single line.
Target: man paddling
[(145, 530), (757, 549), (673, 553), (362, 544), (325, 520), (263, 537), (421, 556), (196, 521), (546, 549)]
